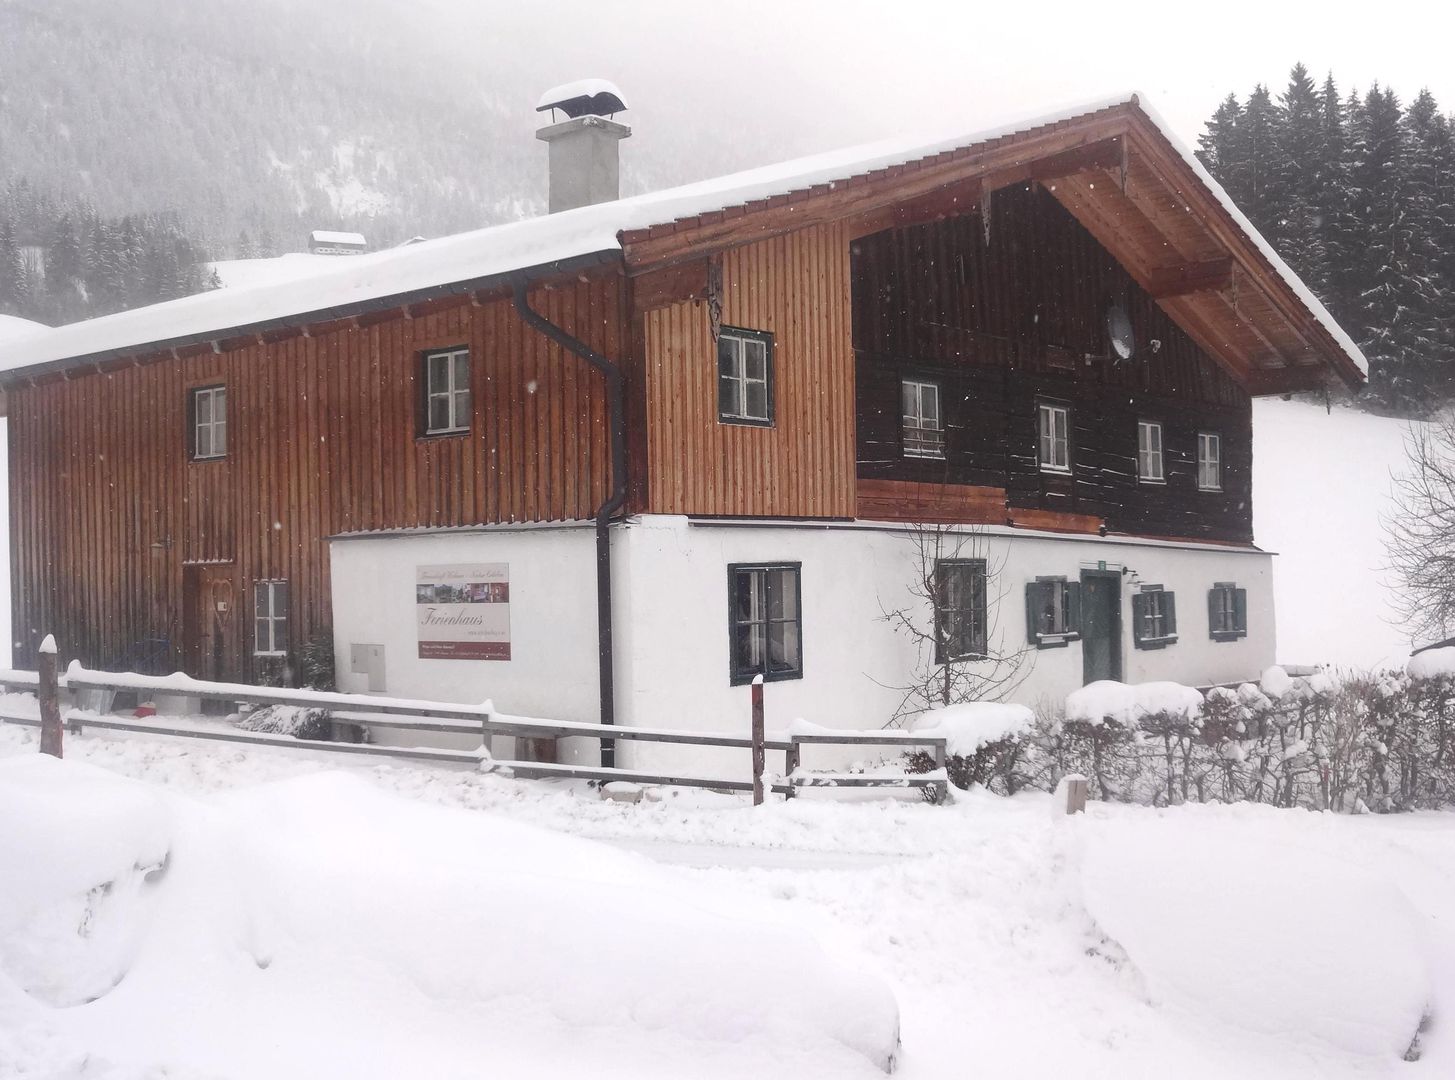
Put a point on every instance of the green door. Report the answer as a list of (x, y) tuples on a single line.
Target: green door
[(1101, 625)]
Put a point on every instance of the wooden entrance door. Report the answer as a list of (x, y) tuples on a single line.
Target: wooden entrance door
[(1101, 625), (209, 621)]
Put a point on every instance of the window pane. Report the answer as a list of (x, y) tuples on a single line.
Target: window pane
[(462, 371), (750, 647), (280, 599), (757, 401), (728, 356), (727, 396), (204, 442), (783, 594), (203, 401), (439, 413), (756, 359), (749, 599), (783, 647), (219, 437), (909, 397), (929, 397), (461, 417)]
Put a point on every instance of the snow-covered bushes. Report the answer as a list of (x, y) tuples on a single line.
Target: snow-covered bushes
[(1352, 741), (984, 742), (295, 720)]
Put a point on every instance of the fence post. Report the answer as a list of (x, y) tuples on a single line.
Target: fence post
[(1075, 794), (790, 765), (50, 699), (942, 787), (760, 756)]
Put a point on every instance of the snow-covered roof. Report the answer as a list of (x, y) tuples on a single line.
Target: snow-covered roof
[(324, 236), (15, 329), (570, 237)]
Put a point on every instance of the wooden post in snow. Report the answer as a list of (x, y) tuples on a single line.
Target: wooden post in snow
[(50, 699), (760, 756), (1075, 794)]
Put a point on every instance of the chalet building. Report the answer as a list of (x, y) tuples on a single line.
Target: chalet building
[(705, 434)]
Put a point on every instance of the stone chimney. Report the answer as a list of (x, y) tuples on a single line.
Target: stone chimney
[(585, 160)]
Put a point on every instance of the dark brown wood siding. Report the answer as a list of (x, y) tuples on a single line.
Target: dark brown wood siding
[(1003, 322), (107, 506)]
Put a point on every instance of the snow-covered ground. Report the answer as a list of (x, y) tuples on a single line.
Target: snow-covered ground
[(1321, 491), (300, 910)]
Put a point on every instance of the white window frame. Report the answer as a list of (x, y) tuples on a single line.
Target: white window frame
[(1053, 446), (266, 620), (457, 398), (1155, 619), (1209, 461), (920, 435), (738, 342), (214, 427), (1151, 467)]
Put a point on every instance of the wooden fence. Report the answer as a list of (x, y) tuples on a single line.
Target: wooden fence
[(434, 717)]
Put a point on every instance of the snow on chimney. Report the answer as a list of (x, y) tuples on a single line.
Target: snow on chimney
[(585, 158)]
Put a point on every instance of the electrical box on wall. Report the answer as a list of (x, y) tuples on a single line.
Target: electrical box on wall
[(368, 660)]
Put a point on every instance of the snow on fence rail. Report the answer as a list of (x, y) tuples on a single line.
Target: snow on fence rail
[(481, 720)]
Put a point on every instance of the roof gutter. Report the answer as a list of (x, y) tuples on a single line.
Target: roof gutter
[(311, 318), (616, 402)]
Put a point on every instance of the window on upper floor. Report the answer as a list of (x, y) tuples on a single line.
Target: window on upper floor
[(208, 408), (446, 406), (766, 626), (1149, 452), (1154, 617), (1053, 611), (1209, 461), (960, 610), (1227, 612), (744, 377), (270, 618), (923, 431), (1054, 422)]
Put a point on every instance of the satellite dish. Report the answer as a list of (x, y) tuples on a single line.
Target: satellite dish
[(1119, 332)]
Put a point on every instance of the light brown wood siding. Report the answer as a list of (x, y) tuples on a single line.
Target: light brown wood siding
[(107, 506), (795, 287)]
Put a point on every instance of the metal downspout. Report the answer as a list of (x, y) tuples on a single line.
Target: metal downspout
[(615, 397)]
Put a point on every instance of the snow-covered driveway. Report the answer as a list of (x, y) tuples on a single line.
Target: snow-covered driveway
[(1195, 942)]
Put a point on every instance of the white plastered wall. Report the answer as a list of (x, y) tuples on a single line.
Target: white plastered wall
[(552, 669), (672, 611)]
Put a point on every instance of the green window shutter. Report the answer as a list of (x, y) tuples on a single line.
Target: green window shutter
[(1073, 607), (1139, 618), (1038, 598), (1169, 608), (1213, 612), (1240, 610)]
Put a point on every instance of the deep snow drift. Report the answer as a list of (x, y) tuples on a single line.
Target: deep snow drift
[(1205, 942), (320, 927)]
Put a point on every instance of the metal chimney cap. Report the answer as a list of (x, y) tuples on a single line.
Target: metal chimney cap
[(584, 97)]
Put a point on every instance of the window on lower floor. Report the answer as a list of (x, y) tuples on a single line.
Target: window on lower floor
[(270, 618), (959, 608), (1149, 452), (1209, 461), (767, 623), (1154, 617), (923, 430), (1227, 612), (1053, 611)]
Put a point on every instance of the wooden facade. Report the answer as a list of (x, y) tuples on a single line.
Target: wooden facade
[(795, 287), (116, 530), (1004, 318)]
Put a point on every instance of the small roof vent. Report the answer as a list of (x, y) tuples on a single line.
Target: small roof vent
[(584, 97)]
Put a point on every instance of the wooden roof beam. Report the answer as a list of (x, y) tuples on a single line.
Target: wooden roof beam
[(1212, 275), (1104, 154)]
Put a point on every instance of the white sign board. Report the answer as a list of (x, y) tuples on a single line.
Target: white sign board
[(463, 611)]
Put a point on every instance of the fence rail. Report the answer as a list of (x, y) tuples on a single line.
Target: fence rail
[(473, 721)]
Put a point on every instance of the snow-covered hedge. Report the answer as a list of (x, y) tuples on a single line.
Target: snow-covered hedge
[(1348, 741)]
